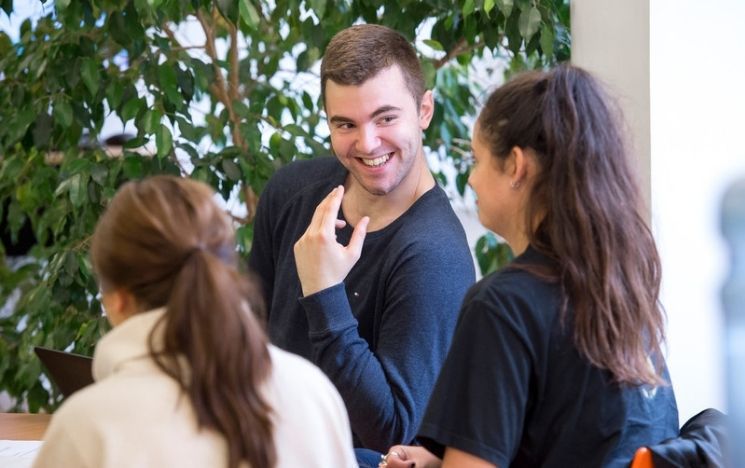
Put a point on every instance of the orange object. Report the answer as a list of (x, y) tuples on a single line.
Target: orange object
[(642, 458)]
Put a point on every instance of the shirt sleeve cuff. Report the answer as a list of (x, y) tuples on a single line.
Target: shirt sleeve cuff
[(328, 309)]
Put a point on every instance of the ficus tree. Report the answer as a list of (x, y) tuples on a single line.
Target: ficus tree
[(223, 91)]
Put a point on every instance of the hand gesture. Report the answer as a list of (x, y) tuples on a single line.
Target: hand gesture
[(321, 261), (407, 456)]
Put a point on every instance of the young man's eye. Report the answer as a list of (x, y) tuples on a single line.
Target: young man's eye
[(344, 126), (386, 119)]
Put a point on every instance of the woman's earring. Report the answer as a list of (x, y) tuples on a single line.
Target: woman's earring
[(515, 185)]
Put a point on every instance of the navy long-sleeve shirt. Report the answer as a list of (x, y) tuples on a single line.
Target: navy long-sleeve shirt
[(382, 335)]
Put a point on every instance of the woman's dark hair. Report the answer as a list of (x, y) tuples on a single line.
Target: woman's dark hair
[(167, 242), (590, 208)]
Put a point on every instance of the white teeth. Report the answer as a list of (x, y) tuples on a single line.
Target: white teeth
[(377, 161)]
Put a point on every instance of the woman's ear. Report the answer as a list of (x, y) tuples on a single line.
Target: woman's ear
[(518, 166), (119, 304)]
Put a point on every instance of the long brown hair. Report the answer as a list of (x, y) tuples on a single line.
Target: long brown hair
[(591, 208), (167, 242), (360, 52)]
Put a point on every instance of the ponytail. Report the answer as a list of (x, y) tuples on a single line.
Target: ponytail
[(166, 242), (212, 326), (592, 226)]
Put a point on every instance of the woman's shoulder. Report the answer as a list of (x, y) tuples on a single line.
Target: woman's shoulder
[(522, 294), (527, 276), (291, 373), (304, 399)]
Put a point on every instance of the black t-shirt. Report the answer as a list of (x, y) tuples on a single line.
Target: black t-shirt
[(515, 391)]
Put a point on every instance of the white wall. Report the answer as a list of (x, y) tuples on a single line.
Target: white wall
[(694, 116), (698, 118)]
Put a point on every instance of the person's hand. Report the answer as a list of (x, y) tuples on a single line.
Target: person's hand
[(408, 456), (321, 261)]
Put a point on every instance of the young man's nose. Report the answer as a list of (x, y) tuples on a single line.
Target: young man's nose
[(367, 140)]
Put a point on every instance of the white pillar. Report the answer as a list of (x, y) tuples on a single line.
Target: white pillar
[(611, 39)]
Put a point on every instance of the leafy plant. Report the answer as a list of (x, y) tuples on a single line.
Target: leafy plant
[(222, 91)]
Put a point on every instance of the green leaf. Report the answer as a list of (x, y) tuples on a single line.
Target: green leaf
[(468, 8), (131, 109), (169, 83), (434, 44), (5, 44), (249, 14), (308, 101), (151, 120), (274, 142), (99, 173), (430, 73), (164, 141), (78, 189), (488, 6), (186, 83), (42, 130), (89, 73), (461, 181), (530, 21), (505, 6), (114, 94), (63, 113), (241, 109), (19, 125), (547, 40), (319, 7), (193, 154), (512, 31), (295, 130), (71, 264), (132, 167), (231, 169), (63, 187), (228, 10)]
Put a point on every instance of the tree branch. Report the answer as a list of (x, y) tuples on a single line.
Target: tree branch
[(219, 87), (171, 35), (234, 67), (461, 47), (178, 47)]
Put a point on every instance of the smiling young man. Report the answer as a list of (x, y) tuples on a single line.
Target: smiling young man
[(363, 261)]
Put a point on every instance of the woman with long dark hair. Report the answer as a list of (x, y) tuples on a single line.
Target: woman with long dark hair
[(186, 377), (556, 359)]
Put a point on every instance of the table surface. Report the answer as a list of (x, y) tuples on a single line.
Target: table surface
[(23, 426)]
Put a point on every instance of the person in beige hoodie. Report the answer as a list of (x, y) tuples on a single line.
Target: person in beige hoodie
[(187, 377)]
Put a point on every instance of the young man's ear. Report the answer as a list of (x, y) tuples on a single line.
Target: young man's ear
[(426, 109)]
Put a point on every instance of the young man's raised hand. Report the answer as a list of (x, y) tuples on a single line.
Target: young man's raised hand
[(322, 261)]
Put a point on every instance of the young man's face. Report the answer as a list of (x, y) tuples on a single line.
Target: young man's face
[(376, 130)]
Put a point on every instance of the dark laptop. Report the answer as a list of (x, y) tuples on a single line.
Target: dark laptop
[(69, 371)]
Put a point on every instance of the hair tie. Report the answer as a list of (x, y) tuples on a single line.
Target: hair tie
[(200, 247)]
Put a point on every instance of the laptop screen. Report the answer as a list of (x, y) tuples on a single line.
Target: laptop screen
[(70, 372)]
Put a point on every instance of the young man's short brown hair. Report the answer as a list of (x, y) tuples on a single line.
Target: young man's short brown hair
[(359, 52)]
